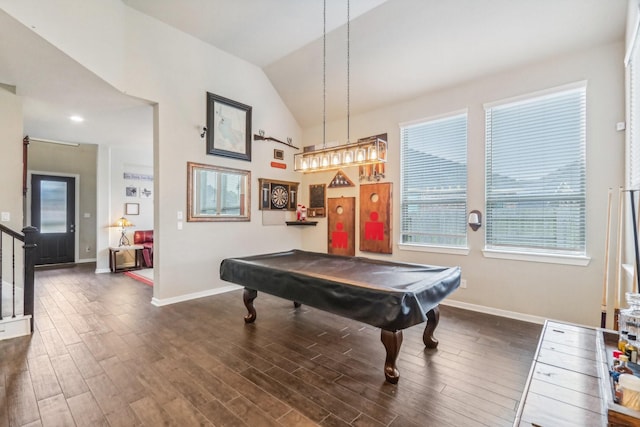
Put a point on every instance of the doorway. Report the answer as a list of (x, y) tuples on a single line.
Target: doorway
[(53, 212)]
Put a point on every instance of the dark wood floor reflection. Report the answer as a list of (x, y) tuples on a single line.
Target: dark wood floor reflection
[(103, 355)]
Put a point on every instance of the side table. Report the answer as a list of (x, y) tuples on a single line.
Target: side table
[(113, 251)]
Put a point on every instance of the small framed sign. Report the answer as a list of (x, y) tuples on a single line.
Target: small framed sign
[(132, 208), (131, 191), (317, 197)]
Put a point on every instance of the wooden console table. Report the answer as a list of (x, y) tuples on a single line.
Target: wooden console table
[(568, 383), (113, 251)]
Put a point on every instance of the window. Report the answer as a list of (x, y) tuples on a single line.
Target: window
[(434, 182), (535, 173), (215, 193)]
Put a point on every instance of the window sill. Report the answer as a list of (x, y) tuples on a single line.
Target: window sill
[(582, 261), (434, 249)]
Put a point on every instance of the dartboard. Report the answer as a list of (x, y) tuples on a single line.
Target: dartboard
[(279, 196)]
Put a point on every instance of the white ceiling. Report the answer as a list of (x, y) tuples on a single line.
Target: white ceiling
[(399, 50), (54, 87), (259, 31)]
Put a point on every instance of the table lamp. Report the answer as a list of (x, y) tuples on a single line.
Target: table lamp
[(123, 223)]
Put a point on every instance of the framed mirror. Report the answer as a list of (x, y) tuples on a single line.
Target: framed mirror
[(217, 193)]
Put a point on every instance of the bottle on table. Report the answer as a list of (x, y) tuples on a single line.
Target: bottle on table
[(631, 349), (623, 340), (616, 357), (622, 367)]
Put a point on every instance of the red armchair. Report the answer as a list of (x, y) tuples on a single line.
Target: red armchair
[(145, 238)]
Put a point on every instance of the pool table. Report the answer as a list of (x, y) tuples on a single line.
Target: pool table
[(391, 296)]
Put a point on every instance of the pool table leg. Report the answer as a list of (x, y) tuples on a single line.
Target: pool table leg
[(248, 296), (392, 341), (433, 318)]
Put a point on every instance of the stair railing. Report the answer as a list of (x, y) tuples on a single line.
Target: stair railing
[(28, 237)]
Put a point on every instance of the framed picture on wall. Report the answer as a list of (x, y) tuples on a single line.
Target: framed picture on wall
[(228, 128), (316, 200), (131, 191), (132, 208), (146, 192)]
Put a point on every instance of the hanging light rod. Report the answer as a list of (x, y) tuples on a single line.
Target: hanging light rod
[(364, 152)]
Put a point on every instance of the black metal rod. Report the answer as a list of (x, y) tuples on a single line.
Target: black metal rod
[(13, 277), (635, 233), (1, 237), (30, 244)]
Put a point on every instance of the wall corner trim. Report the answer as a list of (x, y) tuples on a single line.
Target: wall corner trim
[(159, 302)]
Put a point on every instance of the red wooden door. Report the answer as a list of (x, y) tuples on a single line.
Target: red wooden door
[(341, 226), (375, 218)]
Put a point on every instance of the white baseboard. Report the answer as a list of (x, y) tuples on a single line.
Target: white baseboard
[(495, 311), (453, 303), (167, 301), (85, 260), (13, 327), (102, 270)]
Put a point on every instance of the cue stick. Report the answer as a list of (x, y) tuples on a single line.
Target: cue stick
[(635, 239), (616, 302), (605, 281), (637, 266)]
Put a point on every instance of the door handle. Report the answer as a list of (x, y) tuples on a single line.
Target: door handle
[(72, 228)]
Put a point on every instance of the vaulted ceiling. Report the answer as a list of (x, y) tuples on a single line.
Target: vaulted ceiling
[(399, 49)]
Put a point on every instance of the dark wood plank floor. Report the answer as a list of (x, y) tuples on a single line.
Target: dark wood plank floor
[(102, 355)]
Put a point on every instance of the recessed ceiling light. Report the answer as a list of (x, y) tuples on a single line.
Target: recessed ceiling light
[(77, 119)]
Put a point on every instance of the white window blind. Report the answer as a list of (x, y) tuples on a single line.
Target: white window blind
[(434, 182), (536, 174)]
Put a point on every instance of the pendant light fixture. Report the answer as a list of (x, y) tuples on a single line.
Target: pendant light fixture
[(364, 152)]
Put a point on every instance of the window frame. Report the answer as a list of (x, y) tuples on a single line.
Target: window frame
[(434, 247), (529, 253)]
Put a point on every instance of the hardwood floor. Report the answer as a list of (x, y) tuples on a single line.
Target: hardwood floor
[(102, 355)]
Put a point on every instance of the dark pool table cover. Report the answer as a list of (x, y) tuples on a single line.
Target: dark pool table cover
[(387, 295)]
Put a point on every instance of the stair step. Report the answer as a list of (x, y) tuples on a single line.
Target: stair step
[(13, 327)]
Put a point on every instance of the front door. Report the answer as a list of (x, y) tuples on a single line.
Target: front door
[(53, 213)]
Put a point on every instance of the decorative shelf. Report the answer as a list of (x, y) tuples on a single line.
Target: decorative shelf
[(302, 223)]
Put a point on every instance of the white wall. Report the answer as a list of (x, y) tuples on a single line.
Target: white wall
[(132, 161), (147, 59), (632, 16), (564, 292), (11, 177), (76, 25), (177, 70), (116, 161), (150, 60), (11, 158)]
